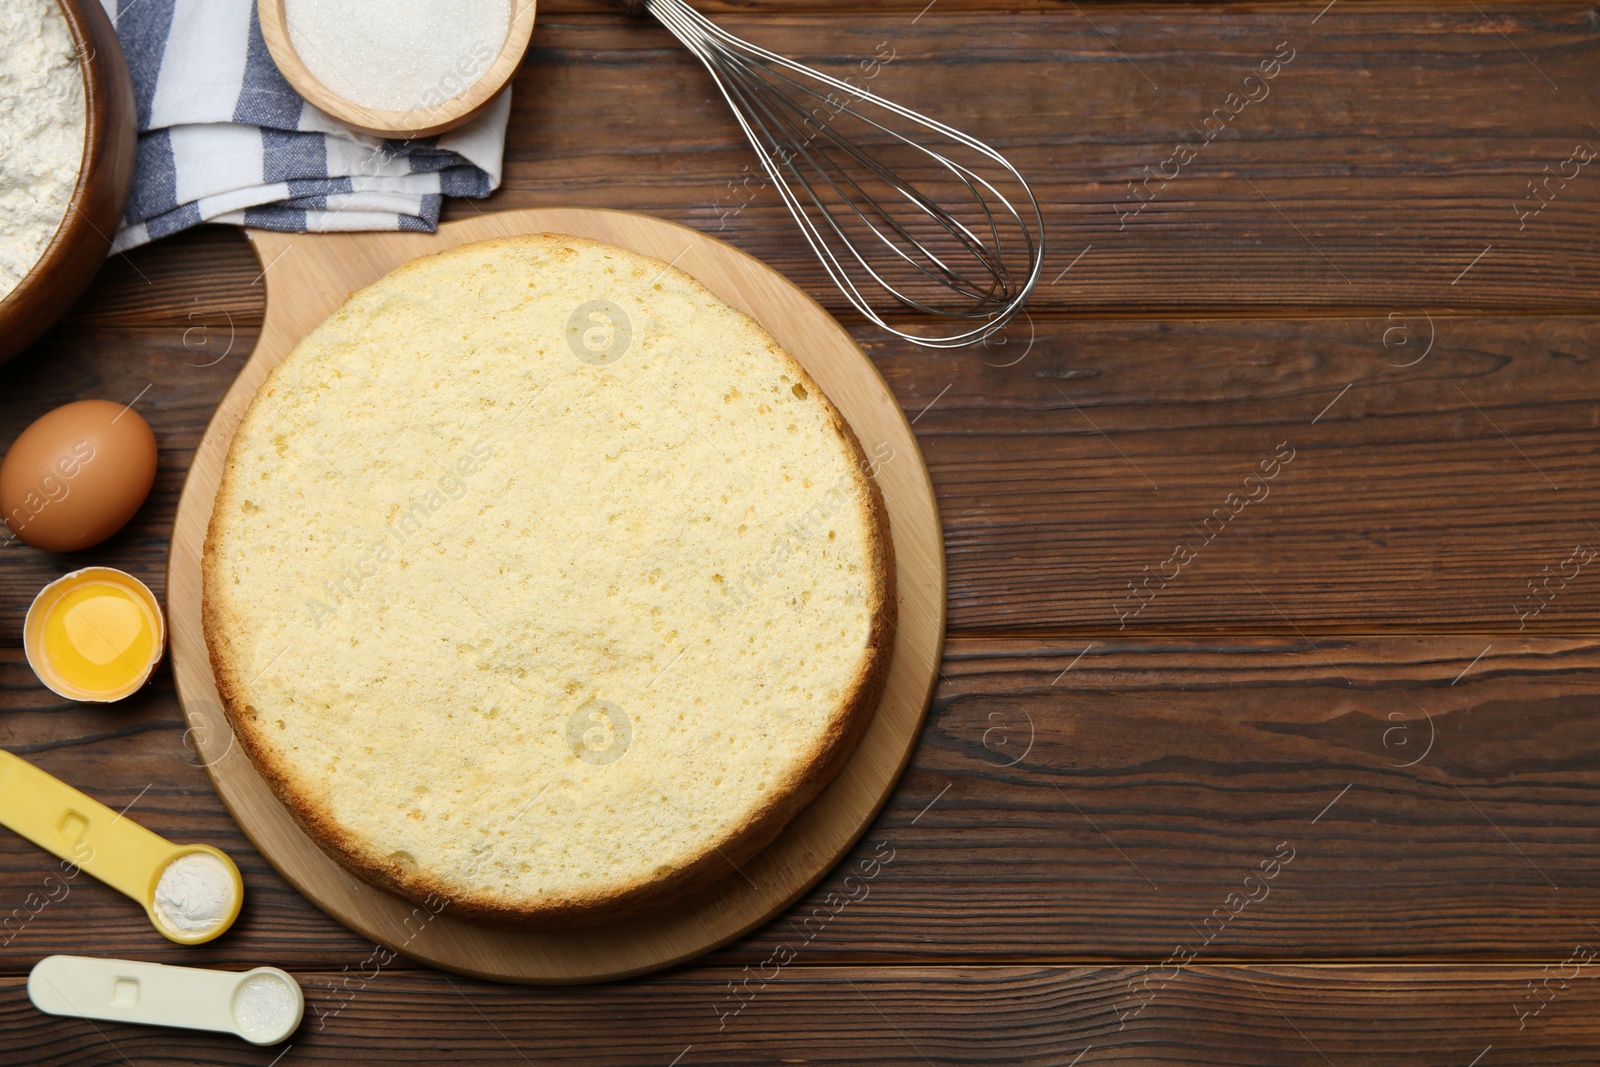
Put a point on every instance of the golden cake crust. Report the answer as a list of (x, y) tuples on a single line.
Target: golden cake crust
[(301, 789)]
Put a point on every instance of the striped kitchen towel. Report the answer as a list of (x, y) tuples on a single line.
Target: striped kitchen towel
[(223, 137)]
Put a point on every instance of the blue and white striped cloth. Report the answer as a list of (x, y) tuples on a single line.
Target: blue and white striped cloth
[(223, 137)]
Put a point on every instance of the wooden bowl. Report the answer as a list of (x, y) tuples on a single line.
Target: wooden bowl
[(79, 246), (420, 122)]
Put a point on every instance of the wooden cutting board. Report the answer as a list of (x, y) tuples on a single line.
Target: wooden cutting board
[(307, 276)]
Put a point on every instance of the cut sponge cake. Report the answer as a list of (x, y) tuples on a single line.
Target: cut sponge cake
[(543, 583)]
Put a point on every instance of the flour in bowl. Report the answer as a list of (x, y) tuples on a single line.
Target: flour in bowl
[(41, 131)]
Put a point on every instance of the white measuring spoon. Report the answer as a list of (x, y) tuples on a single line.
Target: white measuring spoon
[(263, 1005)]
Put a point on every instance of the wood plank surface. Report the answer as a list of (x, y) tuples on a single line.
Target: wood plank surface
[(1062, 808), (1448, 496), (1029, 1016), (1393, 149), (1386, 662), (1311, 198)]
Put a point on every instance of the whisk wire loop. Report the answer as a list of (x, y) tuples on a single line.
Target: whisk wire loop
[(878, 233)]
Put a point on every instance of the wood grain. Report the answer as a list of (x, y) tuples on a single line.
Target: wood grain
[(1397, 143), (1101, 814), (1034, 1016), (1112, 480), (1107, 806), (312, 276), (1315, 197), (1416, 503), (1220, 721), (205, 277)]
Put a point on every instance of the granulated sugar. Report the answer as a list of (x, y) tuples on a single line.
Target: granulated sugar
[(41, 131), (398, 55), (265, 1006)]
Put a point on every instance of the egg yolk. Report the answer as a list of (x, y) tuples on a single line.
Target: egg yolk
[(100, 637)]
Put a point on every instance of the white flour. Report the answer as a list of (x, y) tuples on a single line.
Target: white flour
[(397, 55), (195, 893), (41, 131)]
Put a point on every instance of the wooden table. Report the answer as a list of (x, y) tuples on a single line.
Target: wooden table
[(1315, 790)]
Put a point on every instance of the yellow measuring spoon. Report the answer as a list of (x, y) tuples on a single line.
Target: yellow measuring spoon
[(191, 893)]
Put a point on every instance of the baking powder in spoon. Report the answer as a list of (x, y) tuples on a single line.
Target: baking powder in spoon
[(194, 894)]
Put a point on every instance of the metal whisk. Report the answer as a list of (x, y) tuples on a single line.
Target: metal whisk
[(907, 213)]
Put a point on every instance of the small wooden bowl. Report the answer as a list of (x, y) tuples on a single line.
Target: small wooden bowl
[(79, 246), (421, 122)]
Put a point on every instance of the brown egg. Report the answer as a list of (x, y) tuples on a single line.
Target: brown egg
[(77, 475)]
